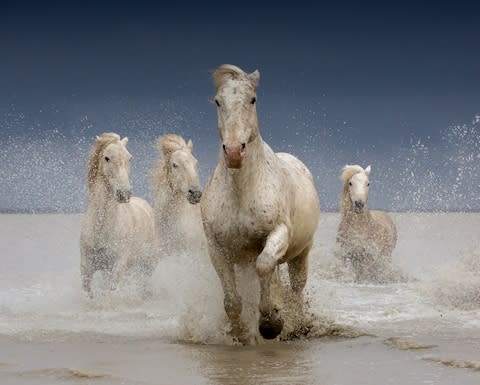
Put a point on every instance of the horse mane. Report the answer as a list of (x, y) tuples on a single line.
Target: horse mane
[(347, 172), (101, 143), (167, 145), (170, 143), (228, 70)]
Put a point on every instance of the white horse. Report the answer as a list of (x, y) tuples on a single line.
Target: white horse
[(258, 208), (365, 238), (117, 231), (176, 192)]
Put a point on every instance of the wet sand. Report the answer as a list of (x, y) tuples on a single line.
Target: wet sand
[(364, 360)]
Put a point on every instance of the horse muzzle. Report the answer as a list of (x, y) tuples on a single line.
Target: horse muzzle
[(122, 196), (193, 196), (359, 206), (234, 155)]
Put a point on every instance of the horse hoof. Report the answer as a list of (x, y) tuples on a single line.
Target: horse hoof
[(270, 325)]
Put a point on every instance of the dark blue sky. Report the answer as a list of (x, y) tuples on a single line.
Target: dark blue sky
[(340, 83)]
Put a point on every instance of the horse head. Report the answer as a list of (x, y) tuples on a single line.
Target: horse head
[(356, 186), (181, 167), (114, 166), (236, 110)]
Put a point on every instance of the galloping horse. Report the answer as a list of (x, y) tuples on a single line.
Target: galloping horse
[(176, 194), (117, 231), (366, 238), (259, 207)]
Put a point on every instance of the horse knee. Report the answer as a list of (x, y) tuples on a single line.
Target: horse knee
[(299, 283), (233, 306), (265, 265), (86, 273), (86, 284)]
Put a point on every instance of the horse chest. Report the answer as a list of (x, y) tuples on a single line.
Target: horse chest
[(110, 233), (360, 239), (244, 228)]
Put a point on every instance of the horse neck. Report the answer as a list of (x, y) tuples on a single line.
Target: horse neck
[(169, 202), (101, 199)]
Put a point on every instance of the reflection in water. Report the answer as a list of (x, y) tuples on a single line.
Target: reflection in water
[(271, 363)]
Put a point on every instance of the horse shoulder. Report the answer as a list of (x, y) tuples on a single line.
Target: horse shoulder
[(142, 205), (383, 218), (386, 226), (142, 216)]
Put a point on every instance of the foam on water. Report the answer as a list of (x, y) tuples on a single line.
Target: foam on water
[(457, 285)]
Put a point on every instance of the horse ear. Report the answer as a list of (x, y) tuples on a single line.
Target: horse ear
[(368, 169), (254, 77), (124, 141), (97, 138), (190, 144)]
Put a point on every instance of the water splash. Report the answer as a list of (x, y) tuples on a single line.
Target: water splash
[(457, 285)]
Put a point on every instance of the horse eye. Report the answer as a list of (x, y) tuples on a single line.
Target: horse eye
[(107, 159), (217, 103), (368, 184), (350, 183), (174, 165), (254, 99)]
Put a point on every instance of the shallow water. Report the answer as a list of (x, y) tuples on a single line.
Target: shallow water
[(423, 330)]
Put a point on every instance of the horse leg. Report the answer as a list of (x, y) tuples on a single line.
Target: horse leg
[(147, 270), (232, 301), (270, 323), (86, 270), (118, 271), (298, 272)]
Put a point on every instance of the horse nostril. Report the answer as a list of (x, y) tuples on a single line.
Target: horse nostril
[(243, 146), (224, 148), (194, 196)]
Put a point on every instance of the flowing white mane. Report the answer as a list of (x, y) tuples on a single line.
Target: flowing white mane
[(101, 143), (170, 143), (350, 170), (229, 71)]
